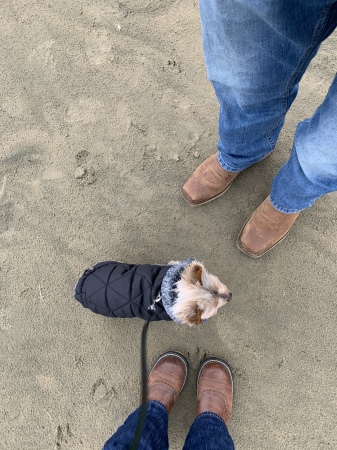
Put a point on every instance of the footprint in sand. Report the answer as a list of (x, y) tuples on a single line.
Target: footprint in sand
[(101, 395), (84, 172), (82, 157), (65, 437), (4, 321), (98, 47), (84, 110), (42, 55)]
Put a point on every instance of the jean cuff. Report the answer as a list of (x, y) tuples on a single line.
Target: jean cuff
[(157, 403), (210, 414), (283, 210), (225, 166)]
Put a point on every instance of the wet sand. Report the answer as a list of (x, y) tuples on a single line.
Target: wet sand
[(105, 111)]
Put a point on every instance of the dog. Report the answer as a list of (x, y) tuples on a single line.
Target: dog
[(182, 291)]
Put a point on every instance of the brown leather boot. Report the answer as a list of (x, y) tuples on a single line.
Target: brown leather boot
[(167, 379), (215, 388), (207, 182), (264, 229)]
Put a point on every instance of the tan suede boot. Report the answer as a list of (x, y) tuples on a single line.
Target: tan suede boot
[(167, 379), (207, 182), (215, 388), (265, 228)]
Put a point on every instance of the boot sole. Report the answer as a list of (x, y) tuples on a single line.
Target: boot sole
[(209, 200)]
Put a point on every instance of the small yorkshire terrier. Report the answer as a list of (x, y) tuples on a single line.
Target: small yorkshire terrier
[(182, 291)]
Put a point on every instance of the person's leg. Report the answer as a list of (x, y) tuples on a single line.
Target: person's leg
[(154, 434), (208, 432), (214, 405), (255, 55), (311, 170), (166, 380), (310, 173)]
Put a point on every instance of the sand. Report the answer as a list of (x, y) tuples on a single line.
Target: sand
[(105, 111)]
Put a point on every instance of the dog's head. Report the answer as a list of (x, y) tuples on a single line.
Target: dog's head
[(199, 295)]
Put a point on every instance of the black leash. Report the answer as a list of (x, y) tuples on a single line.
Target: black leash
[(143, 405)]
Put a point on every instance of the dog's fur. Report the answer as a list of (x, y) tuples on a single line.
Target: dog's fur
[(199, 294)]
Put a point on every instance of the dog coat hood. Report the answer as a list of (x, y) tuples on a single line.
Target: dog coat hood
[(116, 289)]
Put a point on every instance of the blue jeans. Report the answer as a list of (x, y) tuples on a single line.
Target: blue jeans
[(208, 432), (256, 52)]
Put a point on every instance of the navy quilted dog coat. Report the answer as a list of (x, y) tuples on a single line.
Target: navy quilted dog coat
[(116, 289)]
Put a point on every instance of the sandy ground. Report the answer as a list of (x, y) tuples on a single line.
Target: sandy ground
[(105, 111)]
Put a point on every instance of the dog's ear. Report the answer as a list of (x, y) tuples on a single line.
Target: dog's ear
[(196, 318), (196, 275)]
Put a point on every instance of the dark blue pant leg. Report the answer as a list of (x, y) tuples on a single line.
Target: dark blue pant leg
[(154, 435), (208, 432)]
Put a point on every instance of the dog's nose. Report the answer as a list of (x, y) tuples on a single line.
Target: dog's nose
[(229, 297)]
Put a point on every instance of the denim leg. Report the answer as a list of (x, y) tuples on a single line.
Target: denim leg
[(154, 435), (256, 52), (311, 170), (208, 432)]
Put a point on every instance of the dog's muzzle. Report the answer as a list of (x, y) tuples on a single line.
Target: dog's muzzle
[(227, 297)]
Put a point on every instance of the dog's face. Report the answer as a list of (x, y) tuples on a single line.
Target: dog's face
[(199, 295)]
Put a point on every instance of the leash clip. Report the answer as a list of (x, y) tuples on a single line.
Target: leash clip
[(152, 306)]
